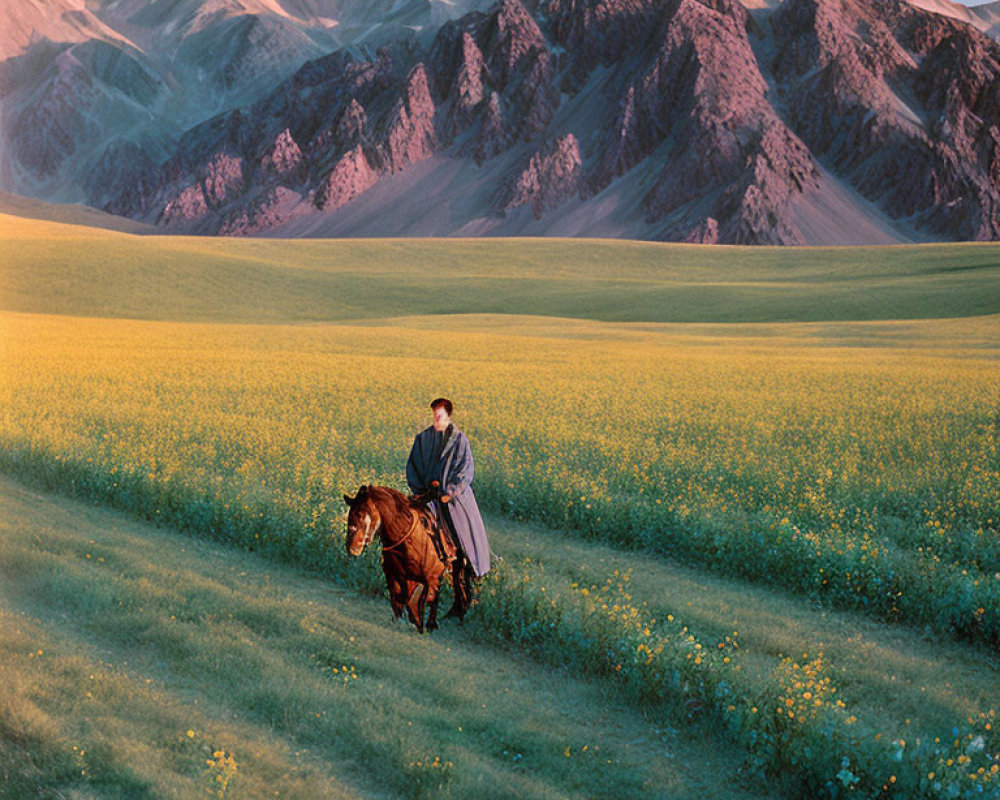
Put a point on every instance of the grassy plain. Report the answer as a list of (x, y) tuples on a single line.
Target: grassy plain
[(266, 281), (149, 651), (821, 422)]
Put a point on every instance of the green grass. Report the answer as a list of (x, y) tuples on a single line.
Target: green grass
[(759, 374), (118, 638), (897, 679), (54, 268)]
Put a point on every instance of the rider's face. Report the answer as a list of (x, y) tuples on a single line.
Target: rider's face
[(441, 418)]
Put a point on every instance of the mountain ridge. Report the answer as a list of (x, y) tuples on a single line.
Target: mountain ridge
[(820, 122)]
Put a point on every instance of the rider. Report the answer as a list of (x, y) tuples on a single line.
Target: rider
[(441, 454)]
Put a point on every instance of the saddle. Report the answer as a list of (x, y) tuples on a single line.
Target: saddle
[(437, 529), (441, 537)]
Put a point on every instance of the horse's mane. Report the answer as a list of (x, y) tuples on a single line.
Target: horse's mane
[(400, 502)]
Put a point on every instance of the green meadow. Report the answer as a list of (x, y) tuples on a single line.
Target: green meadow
[(132, 654), (268, 281), (747, 501)]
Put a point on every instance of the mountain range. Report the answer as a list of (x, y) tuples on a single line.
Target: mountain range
[(709, 121)]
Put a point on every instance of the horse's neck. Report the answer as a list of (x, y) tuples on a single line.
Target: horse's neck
[(394, 526)]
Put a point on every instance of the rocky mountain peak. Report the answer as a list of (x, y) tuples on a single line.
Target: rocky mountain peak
[(352, 124), (351, 176), (494, 137), (284, 158), (518, 40), (469, 83), (409, 135), (903, 116), (552, 175), (705, 122)]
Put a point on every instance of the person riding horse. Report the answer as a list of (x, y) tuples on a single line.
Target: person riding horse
[(439, 472)]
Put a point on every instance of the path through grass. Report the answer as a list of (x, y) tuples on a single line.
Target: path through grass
[(148, 651), (903, 681)]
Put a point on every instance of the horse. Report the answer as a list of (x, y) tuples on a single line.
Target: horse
[(411, 563)]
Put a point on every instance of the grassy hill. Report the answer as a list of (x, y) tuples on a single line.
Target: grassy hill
[(62, 269), (811, 432), (30, 208)]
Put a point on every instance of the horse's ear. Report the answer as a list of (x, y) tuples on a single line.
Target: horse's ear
[(349, 500)]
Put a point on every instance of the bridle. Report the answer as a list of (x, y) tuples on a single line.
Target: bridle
[(370, 530)]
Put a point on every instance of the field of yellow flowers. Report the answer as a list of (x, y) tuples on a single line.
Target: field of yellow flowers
[(861, 476), (854, 464)]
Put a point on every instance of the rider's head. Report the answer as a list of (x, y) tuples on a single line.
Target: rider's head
[(442, 413)]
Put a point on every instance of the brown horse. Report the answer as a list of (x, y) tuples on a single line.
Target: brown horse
[(413, 569)]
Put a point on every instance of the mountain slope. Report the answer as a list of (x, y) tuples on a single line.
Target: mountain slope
[(902, 102), (27, 23), (709, 125), (818, 122), (96, 95)]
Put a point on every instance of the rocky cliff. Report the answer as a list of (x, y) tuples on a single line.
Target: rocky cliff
[(82, 82), (903, 102), (686, 120)]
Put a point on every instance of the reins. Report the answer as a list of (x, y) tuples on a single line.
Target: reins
[(409, 533)]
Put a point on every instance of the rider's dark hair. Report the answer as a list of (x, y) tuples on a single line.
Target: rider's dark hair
[(442, 401)]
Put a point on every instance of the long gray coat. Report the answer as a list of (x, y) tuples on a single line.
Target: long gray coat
[(454, 470)]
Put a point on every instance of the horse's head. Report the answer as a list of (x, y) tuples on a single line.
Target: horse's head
[(363, 521)]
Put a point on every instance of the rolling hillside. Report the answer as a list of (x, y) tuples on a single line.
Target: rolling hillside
[(61, 269), (28, 208)]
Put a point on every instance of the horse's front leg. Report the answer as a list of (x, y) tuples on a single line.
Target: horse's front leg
[(416, 595), (418, 600), (396, 597)]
